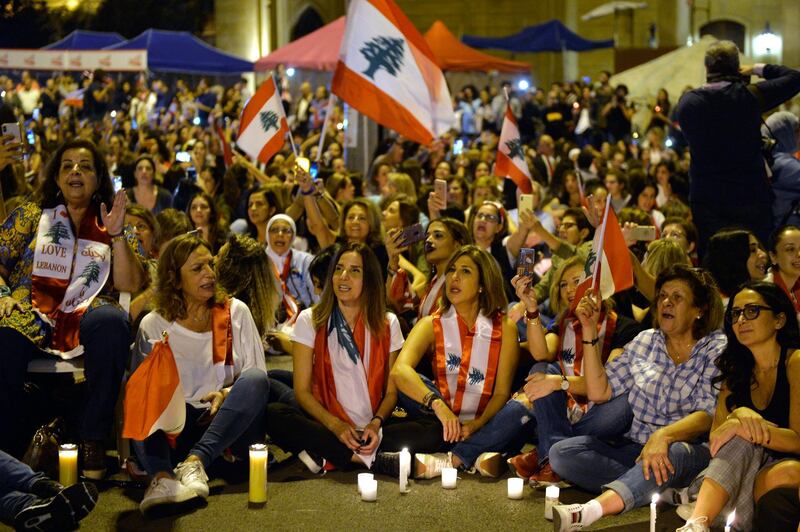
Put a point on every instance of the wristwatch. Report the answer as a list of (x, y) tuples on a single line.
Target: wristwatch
[(5, 291), (564, 383)]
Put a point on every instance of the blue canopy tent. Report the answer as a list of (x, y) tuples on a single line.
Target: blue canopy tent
[(183, 53), (86, 40), (552, 36)]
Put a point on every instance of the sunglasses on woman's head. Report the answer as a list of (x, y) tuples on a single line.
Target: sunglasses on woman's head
[(750, 312)]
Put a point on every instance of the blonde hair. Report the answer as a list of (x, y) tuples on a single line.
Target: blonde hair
[(662, 254), (492, 297), (403, 184)]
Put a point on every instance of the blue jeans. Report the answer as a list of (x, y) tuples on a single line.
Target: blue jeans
[(280, 388), (602, 420), (595, 465), (16, 479), (496, 435), (238, 423)]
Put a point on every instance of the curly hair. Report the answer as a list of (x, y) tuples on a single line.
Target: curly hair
[(375, 236), (169, 300), (736, 362), (244, 272), (373, 290), (492, 298), (705, 296), (47, 195)]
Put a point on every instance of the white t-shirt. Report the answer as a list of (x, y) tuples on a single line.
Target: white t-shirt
[(193, 355), (305, 334)]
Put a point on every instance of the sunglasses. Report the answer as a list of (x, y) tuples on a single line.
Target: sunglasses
[(750, 312)]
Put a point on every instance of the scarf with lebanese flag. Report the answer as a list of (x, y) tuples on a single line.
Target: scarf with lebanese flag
[(154, 397), (68, 273), (401, 294), (465, 362), (430, 301), (570, 357), (289, 302), (794, 293)]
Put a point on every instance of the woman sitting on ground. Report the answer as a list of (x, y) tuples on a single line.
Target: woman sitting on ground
[(444, 237), (223, 377), (262, 204), (733, 257), (474, 357), (488, 224), (756, 428), (667, 375), (204, 215), (146, 192), (343, 350), (291, 268), (406, 283), (555, 393)]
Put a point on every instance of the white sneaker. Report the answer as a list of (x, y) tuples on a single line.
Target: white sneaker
[(430, 465), (686, 510), (675, 497), (193, 476), (165, 490), (698, 524), (568, 517), (488, 464)]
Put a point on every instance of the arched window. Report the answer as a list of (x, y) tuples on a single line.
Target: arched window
[(728, 30), (308, 21)]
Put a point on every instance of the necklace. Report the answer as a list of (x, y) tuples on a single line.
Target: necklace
[(204, 319)]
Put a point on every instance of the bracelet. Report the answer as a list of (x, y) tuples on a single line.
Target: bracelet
[(427, 401), (117, 235), (379, 418), (307, 193), (530, 316), (5, 291), (118, 238), (591, 342), (390, 271)]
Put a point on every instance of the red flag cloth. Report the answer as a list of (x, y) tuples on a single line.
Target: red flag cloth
[(387, 71), (511, 161), (263, 127)]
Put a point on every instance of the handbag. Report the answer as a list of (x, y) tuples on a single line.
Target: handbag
[(42, 452)]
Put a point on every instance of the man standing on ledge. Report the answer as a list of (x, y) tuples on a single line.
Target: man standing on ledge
[(721, 122)]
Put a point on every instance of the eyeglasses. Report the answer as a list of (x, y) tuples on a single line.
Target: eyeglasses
[(280, 230), (750, 312), (485, 216)]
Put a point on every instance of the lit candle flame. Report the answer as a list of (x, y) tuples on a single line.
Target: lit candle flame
[(654, 499), (731, 518)]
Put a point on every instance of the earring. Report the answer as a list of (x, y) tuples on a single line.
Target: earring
[(480, 290)]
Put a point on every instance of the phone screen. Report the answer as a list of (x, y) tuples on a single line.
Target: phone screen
[(191, 173), (458, 147), (117, 183), (313, 170), (183, 157)]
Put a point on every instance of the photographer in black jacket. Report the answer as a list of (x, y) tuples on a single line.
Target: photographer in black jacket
[(721, 122)]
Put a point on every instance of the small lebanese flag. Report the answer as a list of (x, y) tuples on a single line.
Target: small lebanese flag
[(154, 397), (608, 267), (387, 71), (511, 155), (263, 127)]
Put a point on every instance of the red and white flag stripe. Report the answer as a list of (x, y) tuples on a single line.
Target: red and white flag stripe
[(263, 126), (511, 161)]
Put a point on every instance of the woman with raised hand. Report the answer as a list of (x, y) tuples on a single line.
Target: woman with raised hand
[(344, 348), (555, 391), (755, 437), (474, 357), (62, 257), (444, 237), (667, 374), (216, 348), (291, 267)]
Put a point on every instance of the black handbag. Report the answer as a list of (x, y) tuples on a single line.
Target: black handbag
[(42, 452)]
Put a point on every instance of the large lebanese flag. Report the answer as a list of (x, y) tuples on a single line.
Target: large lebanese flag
[(510, 161), (387, 71), (263, 127), (608, 268), (154, 397)]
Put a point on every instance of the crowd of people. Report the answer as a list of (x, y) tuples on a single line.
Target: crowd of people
[(445, 320)]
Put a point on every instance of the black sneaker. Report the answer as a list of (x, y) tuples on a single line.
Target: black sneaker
[(93, 460), (387, 464), (61, 512), (45, 488)]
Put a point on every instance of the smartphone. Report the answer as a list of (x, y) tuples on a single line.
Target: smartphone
[(117, 179), (205, 418), (303, 163), (183, 157), (643, 232), (12, 128), (458, 147), (526, 202), (191, 174), (412, 234), (37, 113), (526, 262), (313, 170), (440, 187), (31, 136), (134, 124)]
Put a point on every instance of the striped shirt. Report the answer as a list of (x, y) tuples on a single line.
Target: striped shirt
[(659, 391)]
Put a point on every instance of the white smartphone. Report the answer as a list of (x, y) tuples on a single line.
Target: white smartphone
[(643, 232), (13, 129), (440, 187), (526, 202)]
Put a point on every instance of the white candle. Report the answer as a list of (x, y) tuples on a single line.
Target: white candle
[(729, 521), (515, 487), (362, 478), (68, 464), (551, 494), (405, 470), (653, 503), (258, 473), (449, 477), (369, 490)]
